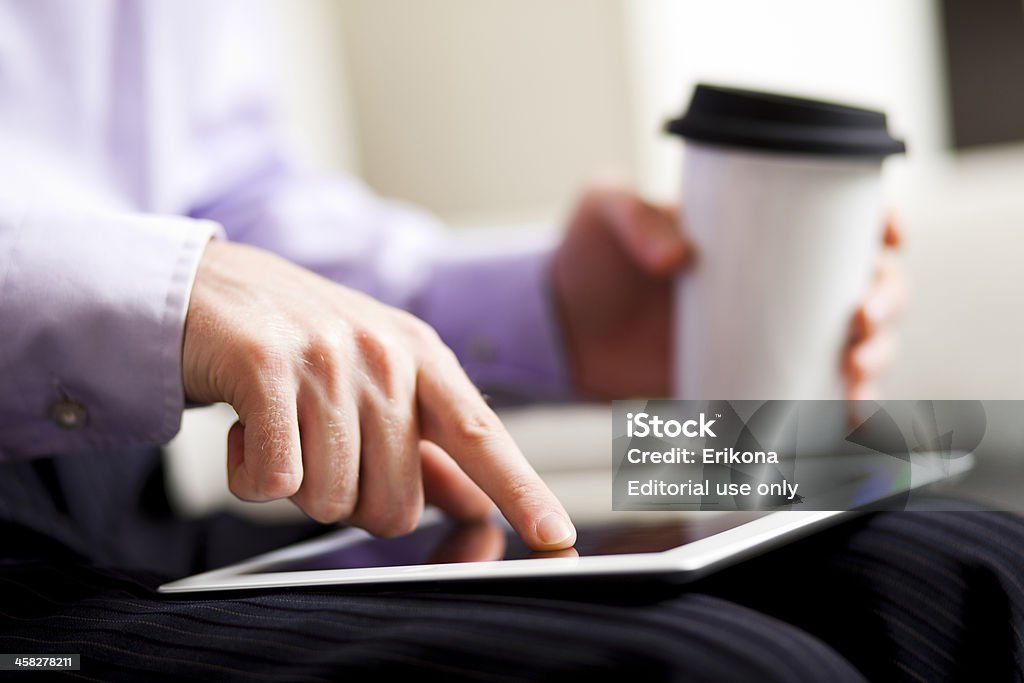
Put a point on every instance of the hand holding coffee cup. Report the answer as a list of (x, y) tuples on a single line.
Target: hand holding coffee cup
[(613, 278), (783, 204)]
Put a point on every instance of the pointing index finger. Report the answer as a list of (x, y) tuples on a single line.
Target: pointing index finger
[(456, 417)]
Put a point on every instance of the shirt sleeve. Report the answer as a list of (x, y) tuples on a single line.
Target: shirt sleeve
[(487, 295), (491, 302), (92, 308)]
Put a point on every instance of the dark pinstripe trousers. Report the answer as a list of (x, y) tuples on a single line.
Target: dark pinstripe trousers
[(914, 596)]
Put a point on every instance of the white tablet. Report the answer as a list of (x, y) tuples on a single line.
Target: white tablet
[(677, 546)]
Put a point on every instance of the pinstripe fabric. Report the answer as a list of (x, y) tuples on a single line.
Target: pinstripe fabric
[(907, 596), (124, 632)]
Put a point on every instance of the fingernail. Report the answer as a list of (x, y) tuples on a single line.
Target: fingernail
[(553, 528)]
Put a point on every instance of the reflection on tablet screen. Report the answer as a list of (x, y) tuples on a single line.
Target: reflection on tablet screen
[(449, 542)]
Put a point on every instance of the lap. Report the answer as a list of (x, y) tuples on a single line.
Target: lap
[(895, 596), (123, 630)]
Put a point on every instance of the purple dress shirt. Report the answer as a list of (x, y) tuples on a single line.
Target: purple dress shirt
[(131, 132)]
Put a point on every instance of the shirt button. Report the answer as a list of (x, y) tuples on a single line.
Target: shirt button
[(68, 414)]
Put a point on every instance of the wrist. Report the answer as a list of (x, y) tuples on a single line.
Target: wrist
[(496, 310)]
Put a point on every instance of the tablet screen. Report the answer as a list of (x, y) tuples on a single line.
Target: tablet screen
[(446, 542), (855, 481)]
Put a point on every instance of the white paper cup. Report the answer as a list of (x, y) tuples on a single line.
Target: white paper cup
[(786, 244)]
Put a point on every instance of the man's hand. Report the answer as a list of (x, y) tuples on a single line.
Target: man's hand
[(872, 344), (612, 277), (353, 409)]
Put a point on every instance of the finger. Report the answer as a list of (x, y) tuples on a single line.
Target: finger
[(862, 391), (885, 302), (269, 465), (330, 458), (892, 236), (870, 358), (236, 451), (449, 488), (481, 541), (649, 234), (455, 416), (390, 484)]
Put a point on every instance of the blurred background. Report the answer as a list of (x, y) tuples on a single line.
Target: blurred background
[(496, 112)]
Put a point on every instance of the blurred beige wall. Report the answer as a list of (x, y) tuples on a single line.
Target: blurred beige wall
[(315, 97), (487, 109)]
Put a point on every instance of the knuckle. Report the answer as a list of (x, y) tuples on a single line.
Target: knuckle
[(240, 489), (261, 354), (320, 360), (372, 347), (389, 367), (330, 509), (331, 497), (441, 357), (420, 331), (319, 351), (389, 518), (377, 356), (278, 484), (520, 490), (397, 522), (262, 363), (449, 354), (478, 427)]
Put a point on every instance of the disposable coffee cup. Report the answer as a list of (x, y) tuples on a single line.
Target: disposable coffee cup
[(782, 199)]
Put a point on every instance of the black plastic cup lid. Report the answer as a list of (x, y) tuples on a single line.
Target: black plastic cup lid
[(750, 119)]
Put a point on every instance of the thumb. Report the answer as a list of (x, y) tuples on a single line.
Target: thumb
[(650, 234)]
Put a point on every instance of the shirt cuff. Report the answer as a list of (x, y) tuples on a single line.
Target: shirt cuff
[(97, 304), (495, 310)]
